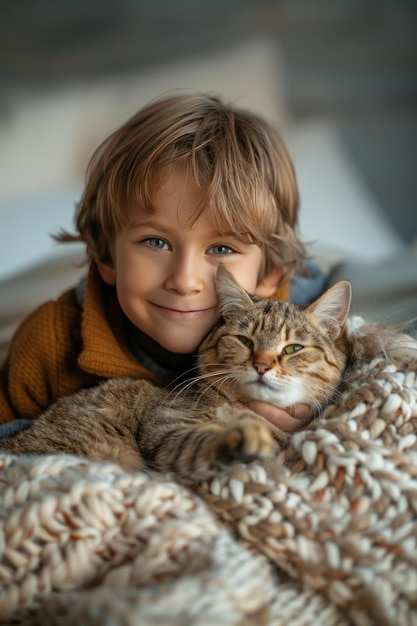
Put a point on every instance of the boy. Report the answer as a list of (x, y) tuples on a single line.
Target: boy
[(187, 183)]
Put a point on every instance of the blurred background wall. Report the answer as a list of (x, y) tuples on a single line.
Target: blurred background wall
[(338, 78)]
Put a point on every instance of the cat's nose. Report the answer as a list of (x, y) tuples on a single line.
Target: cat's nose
[(261, 367)]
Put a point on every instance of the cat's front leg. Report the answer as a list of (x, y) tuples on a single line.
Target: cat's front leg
[(242, 440), (238, 411), (201, 446)]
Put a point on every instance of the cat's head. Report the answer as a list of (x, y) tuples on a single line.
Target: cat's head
[(276, 351)]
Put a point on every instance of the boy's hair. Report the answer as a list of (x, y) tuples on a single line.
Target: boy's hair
[(236, 157)]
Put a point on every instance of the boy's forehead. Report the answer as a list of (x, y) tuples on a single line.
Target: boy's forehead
[(173, 178), (161, 221)]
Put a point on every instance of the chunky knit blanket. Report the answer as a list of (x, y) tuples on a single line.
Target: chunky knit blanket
[(326, 534)]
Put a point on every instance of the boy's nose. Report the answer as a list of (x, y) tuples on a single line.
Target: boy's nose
[(184, 278)]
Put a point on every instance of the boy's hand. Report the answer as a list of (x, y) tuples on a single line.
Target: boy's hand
[(289, 420)]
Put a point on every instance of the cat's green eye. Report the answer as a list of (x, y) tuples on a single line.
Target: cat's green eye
[(245, 340), (292, 348)]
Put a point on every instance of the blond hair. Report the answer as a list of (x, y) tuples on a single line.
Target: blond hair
[(236, 157)]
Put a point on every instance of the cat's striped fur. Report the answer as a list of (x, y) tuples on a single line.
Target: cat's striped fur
[(261, 349)]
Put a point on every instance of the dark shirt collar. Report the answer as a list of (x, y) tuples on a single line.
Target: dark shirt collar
[(155, 358)]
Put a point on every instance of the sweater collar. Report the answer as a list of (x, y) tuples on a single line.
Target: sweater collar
[(157, 359)]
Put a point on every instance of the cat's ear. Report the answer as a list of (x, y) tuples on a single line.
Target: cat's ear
[(331, 309), (232, 298)]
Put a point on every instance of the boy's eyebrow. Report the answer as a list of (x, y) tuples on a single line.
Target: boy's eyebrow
[(148, 224), (161, 227)]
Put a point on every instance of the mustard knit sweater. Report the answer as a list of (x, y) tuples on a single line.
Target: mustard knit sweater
[(61, 347)]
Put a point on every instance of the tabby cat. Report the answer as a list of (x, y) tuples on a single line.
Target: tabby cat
[(261, 349)]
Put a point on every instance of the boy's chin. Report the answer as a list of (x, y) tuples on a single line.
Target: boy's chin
[(182, 342), (176, 349)]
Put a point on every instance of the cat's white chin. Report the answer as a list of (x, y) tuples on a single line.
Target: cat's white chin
[(278, 394)]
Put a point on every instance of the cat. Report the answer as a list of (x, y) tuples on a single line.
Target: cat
[(260, 349)]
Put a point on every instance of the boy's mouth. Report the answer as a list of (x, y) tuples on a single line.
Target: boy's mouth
[(183, 313)]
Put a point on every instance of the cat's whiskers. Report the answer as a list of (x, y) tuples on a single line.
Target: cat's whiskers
[(202, 380), (221, 377), (182, 385), (206, 385)]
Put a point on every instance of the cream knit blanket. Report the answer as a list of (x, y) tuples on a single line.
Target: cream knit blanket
[(325, 535)]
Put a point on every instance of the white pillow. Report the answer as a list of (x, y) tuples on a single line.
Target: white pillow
[(339, 218)]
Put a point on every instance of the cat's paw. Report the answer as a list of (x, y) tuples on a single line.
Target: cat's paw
[(244, 441)]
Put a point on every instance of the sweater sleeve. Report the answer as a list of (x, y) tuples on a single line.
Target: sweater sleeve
[(41, 348)]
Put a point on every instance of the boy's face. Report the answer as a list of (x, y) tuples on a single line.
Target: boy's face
[(164, 270)]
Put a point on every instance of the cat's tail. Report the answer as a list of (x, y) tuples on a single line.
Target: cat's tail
[(370, 340)]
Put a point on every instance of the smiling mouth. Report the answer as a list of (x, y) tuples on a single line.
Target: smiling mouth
[(182, 313)]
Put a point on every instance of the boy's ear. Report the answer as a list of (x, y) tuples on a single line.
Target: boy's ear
[(269, 283), (107, 273)]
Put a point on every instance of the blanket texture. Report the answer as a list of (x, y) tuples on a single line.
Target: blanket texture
[(324, 534)]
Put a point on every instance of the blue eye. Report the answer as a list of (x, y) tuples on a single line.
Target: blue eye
[(221, 249), (156, 242)]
